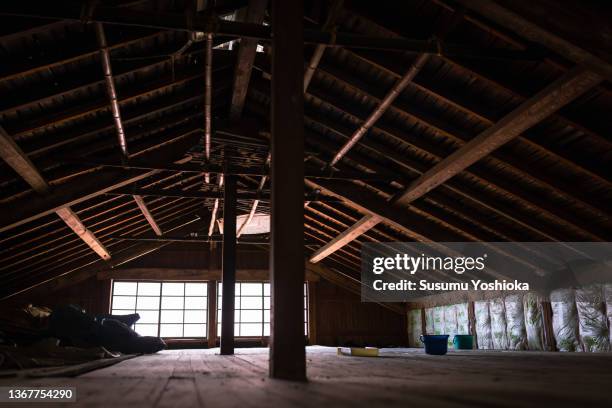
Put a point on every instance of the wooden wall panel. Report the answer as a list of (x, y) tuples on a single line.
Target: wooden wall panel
[(342, 319), (93, 295)]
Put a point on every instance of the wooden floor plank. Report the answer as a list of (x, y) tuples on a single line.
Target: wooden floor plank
[(400, 377)]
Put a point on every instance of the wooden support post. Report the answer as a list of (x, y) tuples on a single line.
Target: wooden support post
[(550, 343), (472, 320), (287, 345), (229, 266), (424, 321), (212, 314), (312, 313)]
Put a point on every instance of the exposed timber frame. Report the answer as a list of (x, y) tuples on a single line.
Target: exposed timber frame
[(561, 92)]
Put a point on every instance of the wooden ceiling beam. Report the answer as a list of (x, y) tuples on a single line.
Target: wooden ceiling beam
[(147, 214), (83, 188), (532, 32), (14, 157), (550, 99), (498, 157), (464, 190), (541, 205), (183, 225), (477, 71), (214, 25), (37, 67), (100, 105), (246, 56), (485, 115), (75, 224)]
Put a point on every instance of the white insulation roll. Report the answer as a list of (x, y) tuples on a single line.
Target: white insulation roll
[(534, 321), (483, 325), (515, 322), (592, 319), (565, 319), (498, 324)]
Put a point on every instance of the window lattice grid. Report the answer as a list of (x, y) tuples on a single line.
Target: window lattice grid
[(167, 309), (252, 309)]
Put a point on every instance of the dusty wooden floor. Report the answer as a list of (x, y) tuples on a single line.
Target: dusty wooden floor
[(400, 377)]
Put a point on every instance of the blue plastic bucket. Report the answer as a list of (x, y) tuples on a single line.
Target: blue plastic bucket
[(463, 342), (435, 344)]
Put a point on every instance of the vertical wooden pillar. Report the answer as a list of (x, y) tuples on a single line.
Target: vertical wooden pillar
[(229, 265), (550, 343), (287, 345), (212, 314)]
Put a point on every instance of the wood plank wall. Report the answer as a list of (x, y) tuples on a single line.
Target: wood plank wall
[(343, 320)]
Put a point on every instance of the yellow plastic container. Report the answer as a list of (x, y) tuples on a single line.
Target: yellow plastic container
[(358, 351)]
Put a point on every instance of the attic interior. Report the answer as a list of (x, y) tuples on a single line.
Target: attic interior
[(218, 167)]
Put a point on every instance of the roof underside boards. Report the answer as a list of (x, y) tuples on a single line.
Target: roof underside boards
[(551, 183)]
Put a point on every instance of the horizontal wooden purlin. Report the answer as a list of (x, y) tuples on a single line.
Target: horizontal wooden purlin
[(330, 174), (190, 240), (189, 274), (212, 24), (85, 187), (241, 195)]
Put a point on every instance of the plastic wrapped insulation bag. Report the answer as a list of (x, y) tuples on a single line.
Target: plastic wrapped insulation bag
[(515, 322), (592, 319), (498, 324), (463, 320), (534, 321), (438, 320), (483, 325), (429, 321), (565, 319)]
